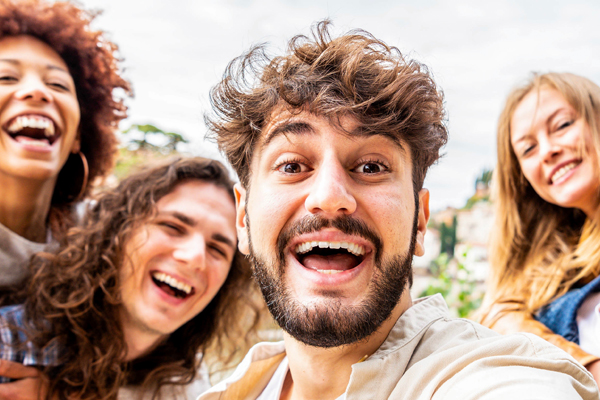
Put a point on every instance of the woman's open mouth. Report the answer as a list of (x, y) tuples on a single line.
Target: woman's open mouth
[(172, 286), (330, 257), (35, 130)]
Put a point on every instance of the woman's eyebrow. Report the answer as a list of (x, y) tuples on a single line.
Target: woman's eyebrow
[(193, 222)]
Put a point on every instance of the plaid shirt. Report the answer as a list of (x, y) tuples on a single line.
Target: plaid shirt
[(12, 337)]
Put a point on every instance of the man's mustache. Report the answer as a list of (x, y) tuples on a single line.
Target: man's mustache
[(314, 223)]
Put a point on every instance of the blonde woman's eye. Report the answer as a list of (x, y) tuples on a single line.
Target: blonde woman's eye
[(565, 125)]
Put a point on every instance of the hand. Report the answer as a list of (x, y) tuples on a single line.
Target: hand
[(594, 368), (31, 384)]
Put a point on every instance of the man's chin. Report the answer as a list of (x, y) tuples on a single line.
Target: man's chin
[(329, 322)]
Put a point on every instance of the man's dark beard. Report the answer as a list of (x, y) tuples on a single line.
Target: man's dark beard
[(332, 324)]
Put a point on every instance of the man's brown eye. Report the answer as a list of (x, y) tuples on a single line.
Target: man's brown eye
[(371, 168), (292, 168)]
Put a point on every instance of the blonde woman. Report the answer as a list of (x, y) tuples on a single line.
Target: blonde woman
[(545, 248)]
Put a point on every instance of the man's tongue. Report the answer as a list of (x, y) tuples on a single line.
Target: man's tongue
[(338, 262)]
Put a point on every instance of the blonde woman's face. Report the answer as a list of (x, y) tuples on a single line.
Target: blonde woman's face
[(554, 148)]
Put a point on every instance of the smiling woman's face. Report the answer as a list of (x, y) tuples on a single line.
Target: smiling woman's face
[(39, 111), (554, 147)]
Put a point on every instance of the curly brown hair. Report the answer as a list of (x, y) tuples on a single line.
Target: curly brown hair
[(94, 66), (354, 75), (74, 296)]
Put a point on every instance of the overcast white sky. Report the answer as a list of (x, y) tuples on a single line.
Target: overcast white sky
[(175, 50)]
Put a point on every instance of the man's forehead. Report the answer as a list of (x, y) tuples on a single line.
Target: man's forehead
[(283, 122)]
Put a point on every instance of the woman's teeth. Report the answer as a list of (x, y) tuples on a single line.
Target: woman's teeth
[(174, 283), (32, 121), (353, 248), (561, 172)]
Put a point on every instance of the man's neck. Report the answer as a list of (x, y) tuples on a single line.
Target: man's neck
[(324, 373)]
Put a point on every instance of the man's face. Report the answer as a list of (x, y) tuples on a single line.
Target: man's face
[(176, 262), (329, 222)]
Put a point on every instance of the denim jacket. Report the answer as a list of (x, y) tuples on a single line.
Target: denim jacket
[(561, 314)]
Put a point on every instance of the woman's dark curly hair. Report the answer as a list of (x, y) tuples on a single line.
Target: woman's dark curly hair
[(93, 64), (74, 296)]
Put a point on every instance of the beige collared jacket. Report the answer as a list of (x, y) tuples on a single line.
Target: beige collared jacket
[(429, 355)]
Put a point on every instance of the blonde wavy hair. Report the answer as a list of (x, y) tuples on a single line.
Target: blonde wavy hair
[(538, 249)]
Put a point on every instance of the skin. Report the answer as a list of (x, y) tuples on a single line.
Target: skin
[(303, 166), (547, 135), (34, 80), (192, 239)]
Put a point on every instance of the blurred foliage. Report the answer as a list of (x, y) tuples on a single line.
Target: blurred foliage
[(448, 237), (482, 189), (145, 144), (453, 280)]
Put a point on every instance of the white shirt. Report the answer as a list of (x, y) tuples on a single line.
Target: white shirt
[(588, 324)]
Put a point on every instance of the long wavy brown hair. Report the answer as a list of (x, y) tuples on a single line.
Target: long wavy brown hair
[(73, 299), (354, 75), (538, 249), (93, 63)]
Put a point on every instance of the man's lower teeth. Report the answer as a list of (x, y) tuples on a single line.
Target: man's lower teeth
[(329, 271)]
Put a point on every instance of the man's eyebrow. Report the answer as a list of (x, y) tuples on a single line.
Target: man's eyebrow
[(293, 127), (361, 131)]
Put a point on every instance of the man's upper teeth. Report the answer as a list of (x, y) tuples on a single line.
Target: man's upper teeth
[(32, 121), (353, 248), (558, 174), (169, 280)]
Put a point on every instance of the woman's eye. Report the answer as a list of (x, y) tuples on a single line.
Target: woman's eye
[(219, 251), (7, 78), (528, 149), (565, 125), (170, 227), (59, 86)]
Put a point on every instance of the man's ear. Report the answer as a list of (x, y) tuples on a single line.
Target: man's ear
[(240, 218), (422, 220)]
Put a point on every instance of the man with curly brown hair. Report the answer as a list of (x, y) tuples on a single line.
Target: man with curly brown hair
[(332, 142)]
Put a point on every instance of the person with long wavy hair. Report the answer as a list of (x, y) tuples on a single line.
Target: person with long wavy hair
[(59, 111), (545, 246), (150, 280)]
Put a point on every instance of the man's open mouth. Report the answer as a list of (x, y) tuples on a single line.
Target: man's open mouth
[(33, 130), (172, 286), (330, 257)]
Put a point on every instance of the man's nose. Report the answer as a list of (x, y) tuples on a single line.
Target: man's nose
[(331, 191), (35, 90), (192, 251)]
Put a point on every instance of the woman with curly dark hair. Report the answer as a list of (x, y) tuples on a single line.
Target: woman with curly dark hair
[(152, 277), (58, 116)]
